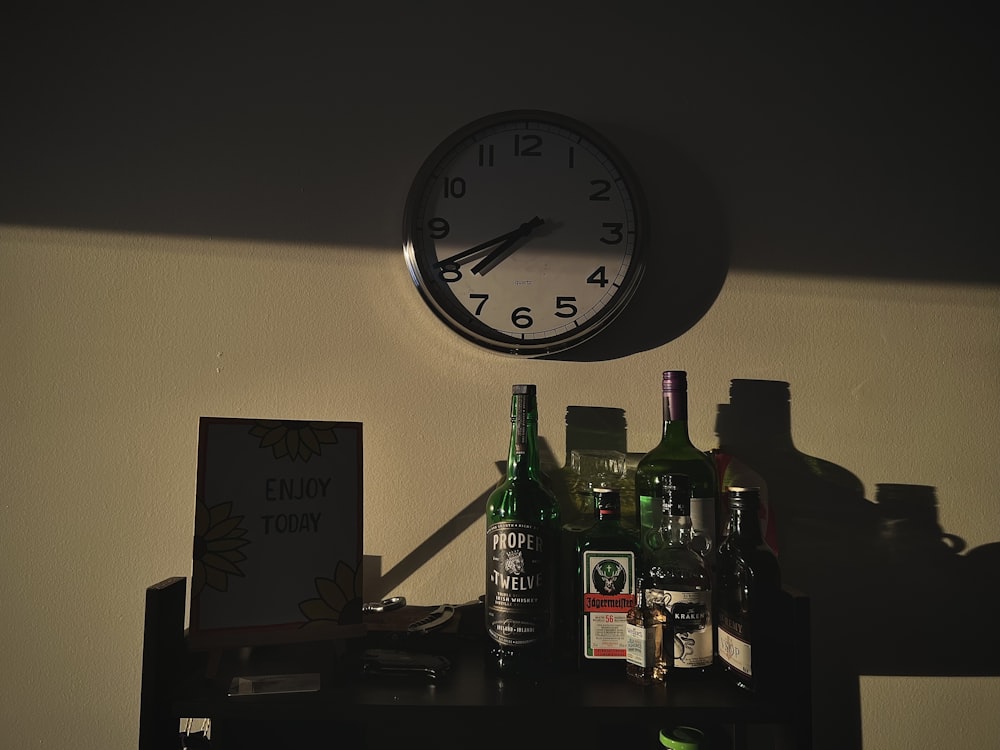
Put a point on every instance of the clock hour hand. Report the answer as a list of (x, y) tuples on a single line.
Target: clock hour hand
[(501, 251), (522, 231)]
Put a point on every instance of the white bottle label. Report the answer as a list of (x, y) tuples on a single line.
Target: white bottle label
[(608, 595), (641, 645), (734, 651), (691, 616), (703, 519)]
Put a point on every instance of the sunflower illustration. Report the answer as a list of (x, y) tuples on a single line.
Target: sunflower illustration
[(338, 601), (294, 439), (217, 542)]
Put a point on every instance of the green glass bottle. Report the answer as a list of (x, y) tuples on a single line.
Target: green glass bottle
[(522, 539), (608, 554), (675, 579), (675, 454)]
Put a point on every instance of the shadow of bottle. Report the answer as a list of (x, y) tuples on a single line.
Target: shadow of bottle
[(891, 592), (826, 532)]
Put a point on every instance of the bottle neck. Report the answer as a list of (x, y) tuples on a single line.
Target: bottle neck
[(744, 523), (523, 459), (675, 415), (675, 530)]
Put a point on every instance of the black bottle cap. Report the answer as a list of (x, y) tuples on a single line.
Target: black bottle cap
[(744, 497), (607, 502)]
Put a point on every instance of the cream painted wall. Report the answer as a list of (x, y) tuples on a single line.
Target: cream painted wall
[(117, 336)]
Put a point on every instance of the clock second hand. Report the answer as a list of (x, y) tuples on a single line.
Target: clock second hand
[(502, 250), (522, 231)]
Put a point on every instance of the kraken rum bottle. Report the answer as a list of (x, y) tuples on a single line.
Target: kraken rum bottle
[(608, 554), (676, 581), (675, 454), (522, 537), (748, 587)]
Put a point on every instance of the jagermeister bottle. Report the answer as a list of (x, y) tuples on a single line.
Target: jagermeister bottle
[(748, 587), (675, 579), (522, 532), (608, 555), (675, 454)]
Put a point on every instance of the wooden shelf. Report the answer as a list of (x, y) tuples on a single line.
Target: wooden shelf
[(389, 712)]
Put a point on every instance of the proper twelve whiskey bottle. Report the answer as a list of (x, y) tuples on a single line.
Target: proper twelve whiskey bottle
[(522, 536)]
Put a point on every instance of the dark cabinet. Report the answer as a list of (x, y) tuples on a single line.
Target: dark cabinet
[(465, 708)]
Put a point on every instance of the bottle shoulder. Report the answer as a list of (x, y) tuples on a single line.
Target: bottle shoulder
[(680, 566), (522, 503), (698, 466), (606, 539)]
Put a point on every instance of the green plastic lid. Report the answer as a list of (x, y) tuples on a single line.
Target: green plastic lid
[(683, 738)]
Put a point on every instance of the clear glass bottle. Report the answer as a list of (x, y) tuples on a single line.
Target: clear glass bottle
[(522, 539), (648, 633), (675, 454), (675, 579), (748, 589), (608, 556)]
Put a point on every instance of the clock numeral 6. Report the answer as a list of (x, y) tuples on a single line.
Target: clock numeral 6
[(565, 307), (520, 317)]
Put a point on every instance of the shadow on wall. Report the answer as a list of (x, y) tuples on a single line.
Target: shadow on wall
[(891, 592)]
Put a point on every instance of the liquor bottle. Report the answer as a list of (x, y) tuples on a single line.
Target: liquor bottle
[(649, 649), (522, 539), (608, 556), (675, 578), (748, 588), (675, 454)]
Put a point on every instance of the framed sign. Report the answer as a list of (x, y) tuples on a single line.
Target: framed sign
[(278, 532)]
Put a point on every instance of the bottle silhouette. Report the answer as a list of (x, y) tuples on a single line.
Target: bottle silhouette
[(819, 507)]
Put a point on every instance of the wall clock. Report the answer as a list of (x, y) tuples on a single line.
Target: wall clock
[(523, 232)]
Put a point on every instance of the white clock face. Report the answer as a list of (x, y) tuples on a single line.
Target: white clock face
[(522, 232)]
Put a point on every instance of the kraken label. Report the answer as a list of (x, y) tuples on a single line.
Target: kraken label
[(519, 591), (691, 614)]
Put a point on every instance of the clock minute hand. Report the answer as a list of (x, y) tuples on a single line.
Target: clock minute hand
[(519, 232), (483, 266)]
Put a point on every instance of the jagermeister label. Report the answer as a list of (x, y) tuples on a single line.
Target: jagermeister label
[(608, 595), (519, 592)]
